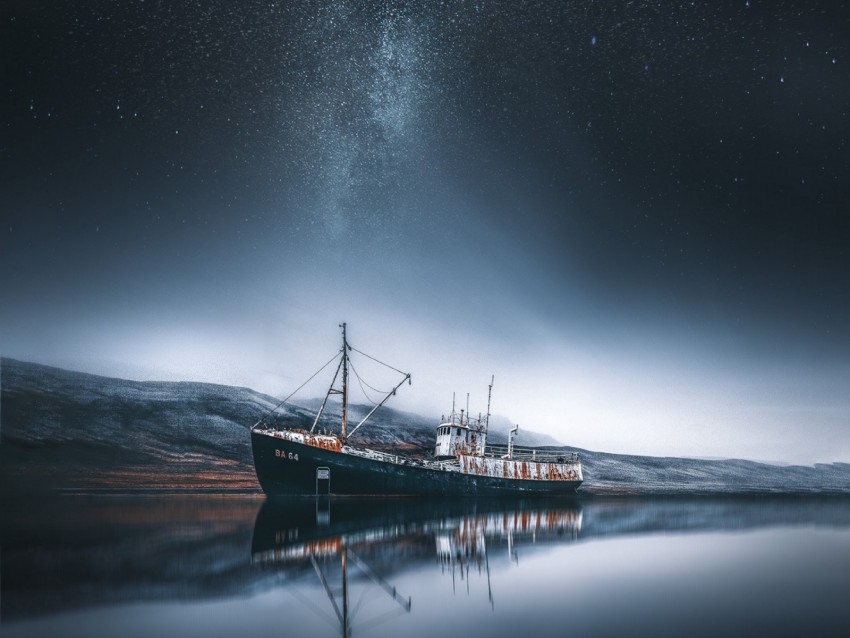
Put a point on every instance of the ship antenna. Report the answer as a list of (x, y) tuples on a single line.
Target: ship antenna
[(344, 381), (467, 409), (453, 407), (489, 395)]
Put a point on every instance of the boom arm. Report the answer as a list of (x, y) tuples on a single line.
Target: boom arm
[(372, 411)]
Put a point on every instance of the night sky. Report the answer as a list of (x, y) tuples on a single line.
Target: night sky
[(635, 214)]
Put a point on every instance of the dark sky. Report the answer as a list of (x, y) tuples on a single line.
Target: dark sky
[(635, 214)]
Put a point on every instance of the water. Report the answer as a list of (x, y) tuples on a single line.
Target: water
[(225, 565)]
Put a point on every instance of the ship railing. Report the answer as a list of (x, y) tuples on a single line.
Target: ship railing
[(519, 453), (401, 460)]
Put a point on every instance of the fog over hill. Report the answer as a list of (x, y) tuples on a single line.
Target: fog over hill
[(65, 429)]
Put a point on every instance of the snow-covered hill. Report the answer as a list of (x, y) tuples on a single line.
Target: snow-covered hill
[(68, 429), (64, 429)]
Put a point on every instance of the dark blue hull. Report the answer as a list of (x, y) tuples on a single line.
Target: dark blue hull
[(287, 467)]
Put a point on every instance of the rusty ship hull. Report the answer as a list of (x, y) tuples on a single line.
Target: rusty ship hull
[(293, 467)]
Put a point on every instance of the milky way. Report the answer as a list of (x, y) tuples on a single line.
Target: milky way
[(636, 213)]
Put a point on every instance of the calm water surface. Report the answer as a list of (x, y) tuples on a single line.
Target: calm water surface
[(223, 565)]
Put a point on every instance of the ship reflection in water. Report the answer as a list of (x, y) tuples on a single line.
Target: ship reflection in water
[(214, 566), (458, 539)]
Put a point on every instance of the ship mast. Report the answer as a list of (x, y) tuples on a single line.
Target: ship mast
[(344, 382), (343, 366), (489, 395)]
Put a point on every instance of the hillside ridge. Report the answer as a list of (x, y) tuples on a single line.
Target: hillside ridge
[(62, 429)]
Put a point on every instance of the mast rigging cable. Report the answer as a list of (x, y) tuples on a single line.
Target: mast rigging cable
[(266, 415)]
